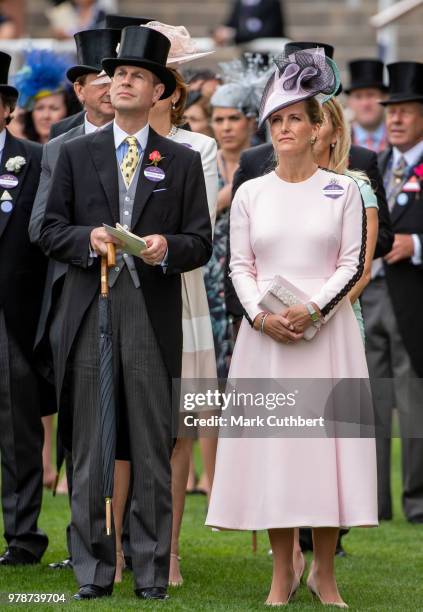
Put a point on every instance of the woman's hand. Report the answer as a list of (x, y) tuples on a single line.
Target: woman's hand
[(278, 328), (299, 317)]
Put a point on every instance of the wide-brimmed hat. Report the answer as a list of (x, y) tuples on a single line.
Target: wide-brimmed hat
[(366, 73), (146, 48), (298, 76), (405, 83), (123, 21), (92, 46), (183, 48), (6, 89)]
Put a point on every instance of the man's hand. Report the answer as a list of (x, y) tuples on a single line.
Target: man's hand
[(403, 248), (99, 239), (157, 247)]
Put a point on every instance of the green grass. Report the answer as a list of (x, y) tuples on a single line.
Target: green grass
[(383, 570)]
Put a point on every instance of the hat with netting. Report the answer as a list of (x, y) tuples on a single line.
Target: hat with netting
[(303, 74)]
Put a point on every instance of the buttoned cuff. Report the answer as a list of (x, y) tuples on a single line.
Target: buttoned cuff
[(417, 257)]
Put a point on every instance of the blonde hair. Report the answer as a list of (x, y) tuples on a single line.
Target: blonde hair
[(340, 153)]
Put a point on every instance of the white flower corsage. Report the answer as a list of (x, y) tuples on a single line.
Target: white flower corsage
[(14, 164)]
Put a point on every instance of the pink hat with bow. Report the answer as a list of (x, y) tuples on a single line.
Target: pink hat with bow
[(303, 74)]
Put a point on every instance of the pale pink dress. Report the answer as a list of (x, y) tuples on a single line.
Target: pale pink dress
[(297, 231)]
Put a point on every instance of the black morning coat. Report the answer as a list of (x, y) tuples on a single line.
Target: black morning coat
[(84, 194)]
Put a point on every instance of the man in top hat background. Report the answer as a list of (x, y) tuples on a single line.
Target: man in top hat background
[(22, 275), (92, 46), (108, 177), (114, 22), (364, 93), (392, 302)]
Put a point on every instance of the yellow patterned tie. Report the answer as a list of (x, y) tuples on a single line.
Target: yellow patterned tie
[(130, 161)]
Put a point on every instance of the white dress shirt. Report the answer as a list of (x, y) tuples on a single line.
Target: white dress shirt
[(89, 127), (2, 142), (412, 157)]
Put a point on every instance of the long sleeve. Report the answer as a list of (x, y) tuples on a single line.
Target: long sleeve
[(242, 264), (209, 161), (192, 247), (352, 251), (385, 237), (40, 202), (59, 238)]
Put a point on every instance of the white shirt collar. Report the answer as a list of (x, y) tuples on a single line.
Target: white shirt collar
[(89, 127), (120, 135), (412, 156), (2, 139)]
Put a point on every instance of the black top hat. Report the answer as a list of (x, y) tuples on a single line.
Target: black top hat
[(6, 89), (366, 73), (91, 47), (146, 48), (122, 21), (295, 46), (405, 82)]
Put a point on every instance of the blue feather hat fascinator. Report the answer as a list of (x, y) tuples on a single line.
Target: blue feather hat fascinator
[(43, 73)]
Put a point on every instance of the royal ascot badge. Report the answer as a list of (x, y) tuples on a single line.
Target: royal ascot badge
[(153, 172), (402, 199), (8, 181), (334, 190), (15, 164)]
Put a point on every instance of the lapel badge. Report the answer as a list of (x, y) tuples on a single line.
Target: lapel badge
[(8, 181), (334, 190), (402, 199)]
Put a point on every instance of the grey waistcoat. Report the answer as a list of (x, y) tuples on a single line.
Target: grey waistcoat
[(126, 207)]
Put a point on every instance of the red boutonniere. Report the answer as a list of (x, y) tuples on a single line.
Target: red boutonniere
[(155, 157), (418, 171)]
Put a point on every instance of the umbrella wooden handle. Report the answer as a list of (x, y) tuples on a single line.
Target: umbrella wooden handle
[(111, 254)]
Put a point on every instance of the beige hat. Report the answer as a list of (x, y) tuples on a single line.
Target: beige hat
[(183, 48)]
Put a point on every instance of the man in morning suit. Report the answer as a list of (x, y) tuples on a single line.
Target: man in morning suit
[(105, 177), (92, 46), (392, 302), (114, 22), (22, 275)]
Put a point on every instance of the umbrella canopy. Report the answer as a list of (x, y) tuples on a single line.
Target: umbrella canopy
[(107, 406)]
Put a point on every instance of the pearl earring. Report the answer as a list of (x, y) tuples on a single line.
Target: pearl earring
[(173, 105), (313, 140), (332, 145)]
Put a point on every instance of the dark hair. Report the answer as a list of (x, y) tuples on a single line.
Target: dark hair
[(9, 101), (198, 100), (177, 113), (28, 123)]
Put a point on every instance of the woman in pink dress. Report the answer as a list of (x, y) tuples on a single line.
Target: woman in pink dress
[(306, 225)]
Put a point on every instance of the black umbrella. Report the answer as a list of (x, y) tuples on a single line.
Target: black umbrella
[(107, 395)]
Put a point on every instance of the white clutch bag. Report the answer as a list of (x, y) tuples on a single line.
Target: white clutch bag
[(280, 295)]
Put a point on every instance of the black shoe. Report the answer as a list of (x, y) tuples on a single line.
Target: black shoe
[(92, 591), (416, 520), (65, 564), (340, 551), (152, 593), (18, 556)]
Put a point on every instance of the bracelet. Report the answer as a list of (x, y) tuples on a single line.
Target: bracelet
[(264, 317)]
